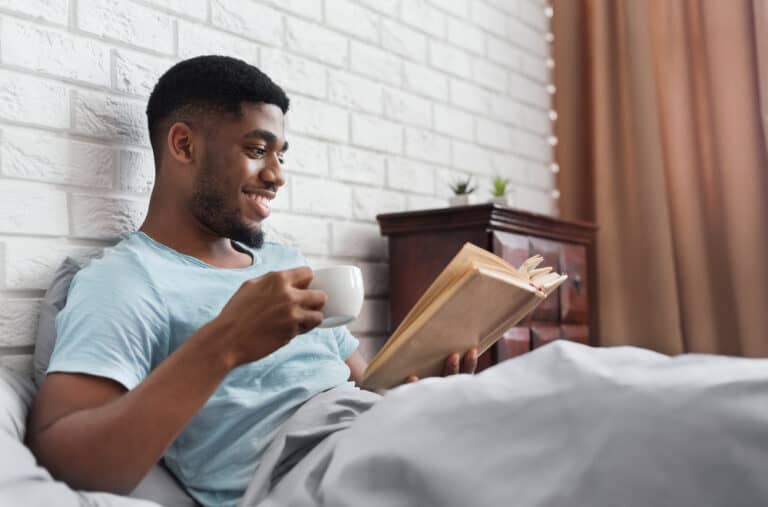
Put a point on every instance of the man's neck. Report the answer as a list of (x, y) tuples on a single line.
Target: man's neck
[(179, 230)]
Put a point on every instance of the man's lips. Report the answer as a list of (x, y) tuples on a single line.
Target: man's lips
[(258, 199)]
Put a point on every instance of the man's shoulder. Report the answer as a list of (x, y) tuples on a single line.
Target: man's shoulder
[(120, 264)]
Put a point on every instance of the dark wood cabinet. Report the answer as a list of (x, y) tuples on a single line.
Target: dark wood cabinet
[(421, 243)]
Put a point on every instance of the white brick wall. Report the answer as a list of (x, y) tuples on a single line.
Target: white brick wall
[(391, 101)]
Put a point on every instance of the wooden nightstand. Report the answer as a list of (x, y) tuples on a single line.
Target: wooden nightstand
[(421, 243)]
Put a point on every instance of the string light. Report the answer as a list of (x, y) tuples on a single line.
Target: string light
[(554, 167)]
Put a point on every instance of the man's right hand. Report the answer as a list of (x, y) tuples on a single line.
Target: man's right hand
[(267, 312)]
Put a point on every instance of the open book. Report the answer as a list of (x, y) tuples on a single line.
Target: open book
[(474, 300)]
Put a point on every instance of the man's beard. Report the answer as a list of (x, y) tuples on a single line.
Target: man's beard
[(209, 207)]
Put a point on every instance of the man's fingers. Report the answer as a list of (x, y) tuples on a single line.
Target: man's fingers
[(299, 277), (469, 363), (452, 364), (411, 379), (311, 299), (309, 321)]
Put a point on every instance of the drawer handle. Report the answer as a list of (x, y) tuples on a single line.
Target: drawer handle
[(577, 282)]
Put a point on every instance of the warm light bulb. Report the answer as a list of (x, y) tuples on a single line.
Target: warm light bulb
[(552, 115), (552, 140), (551, 89), (549, 37), (555, 194), (550, 63), (549, 12), (554, 167)]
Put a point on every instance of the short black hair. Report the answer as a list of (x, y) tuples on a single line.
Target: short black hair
[(203, 85)]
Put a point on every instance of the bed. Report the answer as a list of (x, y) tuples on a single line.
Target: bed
[(564, 425)]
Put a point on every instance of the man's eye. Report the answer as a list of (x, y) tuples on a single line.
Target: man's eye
[(281, 158), (258, 150)]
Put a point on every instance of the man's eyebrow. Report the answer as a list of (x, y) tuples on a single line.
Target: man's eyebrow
[(265, 135)]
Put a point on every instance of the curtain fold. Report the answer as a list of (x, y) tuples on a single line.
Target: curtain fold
[(662, 144), (760, 8)]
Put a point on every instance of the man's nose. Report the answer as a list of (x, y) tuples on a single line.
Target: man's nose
[(273, 172)]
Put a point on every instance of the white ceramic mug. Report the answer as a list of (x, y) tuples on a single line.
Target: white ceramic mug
[(344, 287)]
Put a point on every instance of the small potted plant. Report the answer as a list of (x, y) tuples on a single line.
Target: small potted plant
[(462, 192), (500, 191)]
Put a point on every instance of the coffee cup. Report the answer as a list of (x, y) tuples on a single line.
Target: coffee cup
[(343, 286)]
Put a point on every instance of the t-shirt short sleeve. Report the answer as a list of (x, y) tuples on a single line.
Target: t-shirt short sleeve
[(114, 325), (345, 341)]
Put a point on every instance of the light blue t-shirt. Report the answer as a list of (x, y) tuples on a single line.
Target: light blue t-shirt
[(129, 310)]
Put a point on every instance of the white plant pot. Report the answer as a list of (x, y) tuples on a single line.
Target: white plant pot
[(504, 200), (463, 200)]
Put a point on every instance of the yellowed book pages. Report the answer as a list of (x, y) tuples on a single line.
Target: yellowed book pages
[(473, 301)]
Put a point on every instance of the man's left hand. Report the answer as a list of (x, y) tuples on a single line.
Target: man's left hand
[(456, 364)]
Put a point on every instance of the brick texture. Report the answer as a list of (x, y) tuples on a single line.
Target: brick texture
[(17, 322), (59, 54), (54, 11), (391, 100)]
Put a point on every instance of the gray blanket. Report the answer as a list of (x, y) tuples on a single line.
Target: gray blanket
[(565, 425)]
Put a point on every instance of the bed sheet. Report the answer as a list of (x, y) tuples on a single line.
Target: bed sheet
[(565, 425)]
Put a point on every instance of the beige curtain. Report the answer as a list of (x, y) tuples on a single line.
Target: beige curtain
[(761, 45), (662, 144)]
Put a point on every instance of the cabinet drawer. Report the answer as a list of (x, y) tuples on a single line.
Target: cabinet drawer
[(513, 248), (574, 291), (549, 310), (486, 360), (575, 333), (542, 334), (515, 342)]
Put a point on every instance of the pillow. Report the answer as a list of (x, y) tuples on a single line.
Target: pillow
[(54, 300), (22, 481), (159, 485), (16, 394)]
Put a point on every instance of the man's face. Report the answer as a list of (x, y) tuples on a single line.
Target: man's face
[(240, 173)]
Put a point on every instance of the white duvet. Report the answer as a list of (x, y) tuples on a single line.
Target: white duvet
[(565, 425)]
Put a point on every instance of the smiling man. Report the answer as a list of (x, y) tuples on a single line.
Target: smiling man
[(193, 339)]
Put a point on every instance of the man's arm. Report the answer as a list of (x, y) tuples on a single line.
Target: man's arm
[(357, 366), (92, 433)]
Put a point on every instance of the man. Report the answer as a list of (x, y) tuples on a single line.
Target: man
[(193, 338)]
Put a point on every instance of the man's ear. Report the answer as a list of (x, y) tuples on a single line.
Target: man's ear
[(180, 142)]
